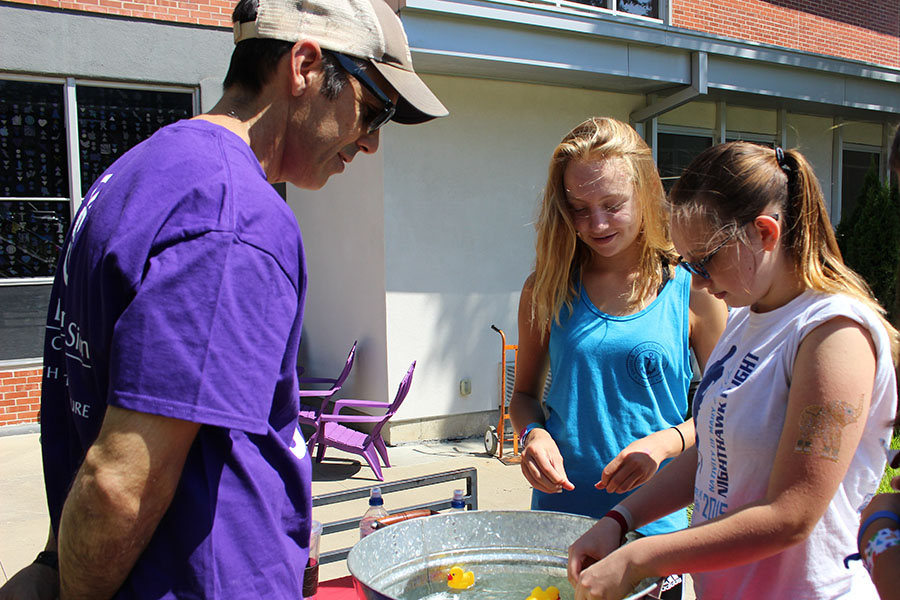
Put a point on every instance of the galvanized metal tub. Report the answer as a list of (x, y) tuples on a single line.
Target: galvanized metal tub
[(515, 550)]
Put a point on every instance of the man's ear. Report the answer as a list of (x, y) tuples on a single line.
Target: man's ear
[(769, 229), (305, 60)]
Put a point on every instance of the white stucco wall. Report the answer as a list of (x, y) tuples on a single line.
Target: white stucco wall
[(855, 132), (460, 199), (699, 114), (813, 136), (343, 235), (751, 120)]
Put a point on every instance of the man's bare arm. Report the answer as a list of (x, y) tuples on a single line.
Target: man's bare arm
[(119, 495)]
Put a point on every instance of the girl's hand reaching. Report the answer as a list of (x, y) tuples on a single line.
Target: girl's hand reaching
[(542, 464), (640, 459)]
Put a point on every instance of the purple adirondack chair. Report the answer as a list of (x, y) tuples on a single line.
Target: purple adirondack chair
[(309, 415), (333, 432)]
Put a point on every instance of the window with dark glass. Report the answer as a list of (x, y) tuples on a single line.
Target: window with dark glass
[(31, 233), (23, 314), (856, 163), (675, 151), (34, 178), (111, 121), (32, 140)]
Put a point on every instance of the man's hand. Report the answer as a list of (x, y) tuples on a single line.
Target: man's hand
[(542, 464), (34, 582)]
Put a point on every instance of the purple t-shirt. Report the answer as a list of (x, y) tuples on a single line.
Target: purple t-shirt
[(180, 293)]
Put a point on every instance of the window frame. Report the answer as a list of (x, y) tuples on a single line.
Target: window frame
[(753, 138), (687, 131), (572, 7), (855, 147)]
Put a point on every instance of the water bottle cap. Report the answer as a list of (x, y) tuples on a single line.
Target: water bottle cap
[(375, 498)]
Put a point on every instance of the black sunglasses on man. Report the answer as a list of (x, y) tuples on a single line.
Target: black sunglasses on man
[(388, 108)]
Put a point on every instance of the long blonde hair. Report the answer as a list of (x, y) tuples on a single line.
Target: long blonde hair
[(731, 184), (560, 255)]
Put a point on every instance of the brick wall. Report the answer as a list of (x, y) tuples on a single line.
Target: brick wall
[(868, 31), (197, 12), (20, 396)]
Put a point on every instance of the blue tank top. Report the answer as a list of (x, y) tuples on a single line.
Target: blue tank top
[(615, 379)]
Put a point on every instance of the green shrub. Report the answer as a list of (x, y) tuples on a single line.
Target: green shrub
[(889, 473)]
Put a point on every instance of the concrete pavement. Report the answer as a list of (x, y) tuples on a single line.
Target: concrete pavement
[(23, 507)]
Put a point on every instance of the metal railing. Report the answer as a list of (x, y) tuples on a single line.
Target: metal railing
[(469, 474)]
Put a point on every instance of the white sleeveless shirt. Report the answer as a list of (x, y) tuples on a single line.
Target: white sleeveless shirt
[(739, 414)]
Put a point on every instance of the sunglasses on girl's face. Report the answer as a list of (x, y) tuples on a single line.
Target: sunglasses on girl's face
[(388, 108), (699, 267)]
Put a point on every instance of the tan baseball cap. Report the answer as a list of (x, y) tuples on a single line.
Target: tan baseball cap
[(366, 29)]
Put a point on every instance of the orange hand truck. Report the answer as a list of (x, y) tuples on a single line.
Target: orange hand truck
[(504, 431)]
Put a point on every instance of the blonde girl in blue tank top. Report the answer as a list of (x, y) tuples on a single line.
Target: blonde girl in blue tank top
[(607, 309)]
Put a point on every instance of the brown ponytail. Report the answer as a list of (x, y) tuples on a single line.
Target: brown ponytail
[(731, 184)]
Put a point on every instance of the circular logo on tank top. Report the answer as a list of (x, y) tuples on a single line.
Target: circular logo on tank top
[(646, 363)]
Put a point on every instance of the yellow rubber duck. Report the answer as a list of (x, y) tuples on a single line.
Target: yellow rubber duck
[(551, 593), (459, 579)]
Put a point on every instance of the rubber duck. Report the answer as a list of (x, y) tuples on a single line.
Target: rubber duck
[(551, 593), (459, 579)]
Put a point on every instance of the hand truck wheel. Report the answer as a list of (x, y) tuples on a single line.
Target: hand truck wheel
[(491, 441)]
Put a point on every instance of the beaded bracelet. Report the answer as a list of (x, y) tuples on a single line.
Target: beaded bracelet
[(878, 543), (526, 430)]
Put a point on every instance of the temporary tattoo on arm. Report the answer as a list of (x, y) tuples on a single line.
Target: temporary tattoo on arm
[(821, 425)]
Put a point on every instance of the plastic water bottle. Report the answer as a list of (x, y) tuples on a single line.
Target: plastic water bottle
[(458, 503), (376, 511)]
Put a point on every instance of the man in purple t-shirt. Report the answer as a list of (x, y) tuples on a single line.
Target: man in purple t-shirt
[(172, 460)]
